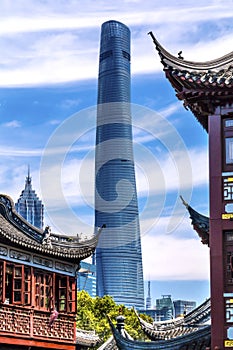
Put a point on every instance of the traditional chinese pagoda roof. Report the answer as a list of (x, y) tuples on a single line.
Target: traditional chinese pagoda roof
[(202, 86), (16, 231), (193, 341), (179, 326), (86, 339), (200, 223), (110, 344)]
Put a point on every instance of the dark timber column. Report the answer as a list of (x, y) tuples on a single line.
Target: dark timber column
[(216, 231), (221, 226), (207, 90)]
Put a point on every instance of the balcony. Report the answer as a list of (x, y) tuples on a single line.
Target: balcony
[(30, 324)]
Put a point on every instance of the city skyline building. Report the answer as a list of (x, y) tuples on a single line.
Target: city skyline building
[(183, 307), (29, 206), (164, 308), (87, 278), (148, 298), (118, 255)]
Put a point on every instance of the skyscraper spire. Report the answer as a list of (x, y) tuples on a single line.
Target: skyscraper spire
[(118, 255), (28, 181), (29, 206), (148, 299)]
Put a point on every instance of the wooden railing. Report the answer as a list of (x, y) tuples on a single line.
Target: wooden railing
[(25, 322)]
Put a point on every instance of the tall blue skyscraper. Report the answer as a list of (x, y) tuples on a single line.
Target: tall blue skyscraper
[(29, 206), (118, 255)]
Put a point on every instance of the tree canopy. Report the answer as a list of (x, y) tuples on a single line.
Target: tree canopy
[(91, 315)]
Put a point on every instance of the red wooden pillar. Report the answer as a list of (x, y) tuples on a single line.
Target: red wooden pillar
[(216, 232), (221, 227)]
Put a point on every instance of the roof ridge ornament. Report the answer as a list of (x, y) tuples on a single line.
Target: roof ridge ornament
[(179, 55), (184, 202)]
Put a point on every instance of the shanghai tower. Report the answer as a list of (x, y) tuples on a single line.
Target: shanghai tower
[(118, 255)]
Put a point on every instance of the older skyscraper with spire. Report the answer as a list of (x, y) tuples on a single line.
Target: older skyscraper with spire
[(29, 206), (118, 255)]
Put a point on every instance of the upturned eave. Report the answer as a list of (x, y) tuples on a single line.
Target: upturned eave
[(202, 86), (16, 231)]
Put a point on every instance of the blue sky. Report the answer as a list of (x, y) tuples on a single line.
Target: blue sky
[(48, 92)]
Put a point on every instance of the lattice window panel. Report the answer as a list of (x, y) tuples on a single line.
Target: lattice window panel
[(229, 310), (43, 296), (63, 327), (14, 321), (229, 268), (228, 189)]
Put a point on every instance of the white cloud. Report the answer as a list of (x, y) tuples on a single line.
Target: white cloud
[(12, 124), (19, 152), (70, 103), (168, 258), (54, 122), (170, 109), (74, 187), (153, 174), (49, 44), (12, 179), (170, 172)]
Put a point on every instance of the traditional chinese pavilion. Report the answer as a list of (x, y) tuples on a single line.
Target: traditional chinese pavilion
[(183, 333), (207, 90), (188, 332), (38, 271)]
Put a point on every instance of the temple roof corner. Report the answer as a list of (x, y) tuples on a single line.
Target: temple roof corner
[(199, 222)]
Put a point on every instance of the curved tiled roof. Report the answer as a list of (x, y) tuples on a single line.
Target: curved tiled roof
[(168, 59), (179, 326), (86, 338), (193, 341), (201, 223), (17, 231), (110, 344), (202, 86)]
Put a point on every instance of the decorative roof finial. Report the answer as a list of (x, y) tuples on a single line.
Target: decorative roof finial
[(183, 201), (179, 55)]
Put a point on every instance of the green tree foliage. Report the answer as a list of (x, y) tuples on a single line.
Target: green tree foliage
[(91, 315)]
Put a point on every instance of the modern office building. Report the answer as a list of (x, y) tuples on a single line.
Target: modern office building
[(29, 206), (118, 255), (183, 307), (164, 308), (87, 278)]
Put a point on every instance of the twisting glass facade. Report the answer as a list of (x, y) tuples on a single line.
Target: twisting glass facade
[(118, 256)]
